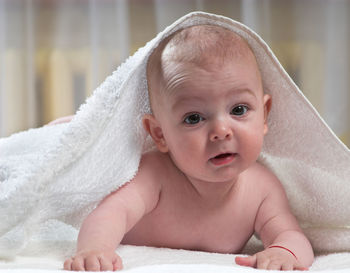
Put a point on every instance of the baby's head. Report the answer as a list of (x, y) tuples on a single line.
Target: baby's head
[(204, 46), (207, 101)]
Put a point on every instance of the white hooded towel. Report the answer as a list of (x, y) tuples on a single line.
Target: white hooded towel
[(52, 177)]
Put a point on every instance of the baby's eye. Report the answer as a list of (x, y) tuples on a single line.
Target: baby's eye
[(193, 119), (239, 110)]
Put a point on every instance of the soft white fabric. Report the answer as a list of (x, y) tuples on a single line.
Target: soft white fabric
[(163, 260), (52, 177)]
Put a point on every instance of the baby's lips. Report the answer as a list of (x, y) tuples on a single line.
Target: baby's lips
[(222, 159), (223, 154)]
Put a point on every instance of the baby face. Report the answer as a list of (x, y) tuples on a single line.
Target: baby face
[(212, 119)]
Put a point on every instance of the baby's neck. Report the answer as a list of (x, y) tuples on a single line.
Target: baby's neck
[(206, 193), (212, 194)]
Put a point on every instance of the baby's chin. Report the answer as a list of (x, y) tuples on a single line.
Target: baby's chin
[(226, 174), (221, 177)]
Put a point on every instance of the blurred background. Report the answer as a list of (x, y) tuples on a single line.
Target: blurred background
[(54, 53)]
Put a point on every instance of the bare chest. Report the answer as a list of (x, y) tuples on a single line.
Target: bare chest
[(177, 223)]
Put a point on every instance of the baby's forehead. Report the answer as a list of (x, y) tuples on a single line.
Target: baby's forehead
[(201, 46), (204, 46), (198, 44)]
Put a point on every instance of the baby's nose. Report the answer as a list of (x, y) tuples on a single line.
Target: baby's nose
[(220, 131)]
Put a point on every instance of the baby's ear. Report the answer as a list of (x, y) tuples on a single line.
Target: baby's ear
[(152, 126), (267, 108)]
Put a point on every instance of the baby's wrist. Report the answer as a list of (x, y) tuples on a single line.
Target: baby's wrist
[(284, 248)]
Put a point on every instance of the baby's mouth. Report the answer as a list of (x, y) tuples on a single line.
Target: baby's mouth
[(222, 159)]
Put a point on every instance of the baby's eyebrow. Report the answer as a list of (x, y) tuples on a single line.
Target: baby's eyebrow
[(181, 99), (243, 91)]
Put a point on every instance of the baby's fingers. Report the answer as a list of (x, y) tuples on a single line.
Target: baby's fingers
[(105, 264), (68, 264), (92, 263), (290, 267), (246, 261), (78, 264), (299, 267), (117, 263), (262, 263), (274, 265), (287, 267)]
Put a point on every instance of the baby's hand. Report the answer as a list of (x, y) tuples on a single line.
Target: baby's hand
[(271, 259), (94, 261)]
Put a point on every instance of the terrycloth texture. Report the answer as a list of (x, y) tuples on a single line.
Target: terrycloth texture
[(52, 177)]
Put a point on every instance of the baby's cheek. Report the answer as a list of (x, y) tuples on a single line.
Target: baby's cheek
[(188, 149), (252, 145)]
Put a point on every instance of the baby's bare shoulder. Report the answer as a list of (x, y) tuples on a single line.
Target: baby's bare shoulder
[(265, 179), (144, 188), (274, 212), (153, 155), (154, 162), (154, 167)]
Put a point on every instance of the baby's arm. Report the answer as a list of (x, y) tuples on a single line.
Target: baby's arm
[(103, 230), (286, 247)]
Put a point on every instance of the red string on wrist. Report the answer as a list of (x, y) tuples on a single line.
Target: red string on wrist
[(291, 252)]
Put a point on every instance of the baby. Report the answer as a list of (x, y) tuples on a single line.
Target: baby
[(202, 189)]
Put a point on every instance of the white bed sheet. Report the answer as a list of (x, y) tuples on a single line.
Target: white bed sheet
[(149, 259)]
